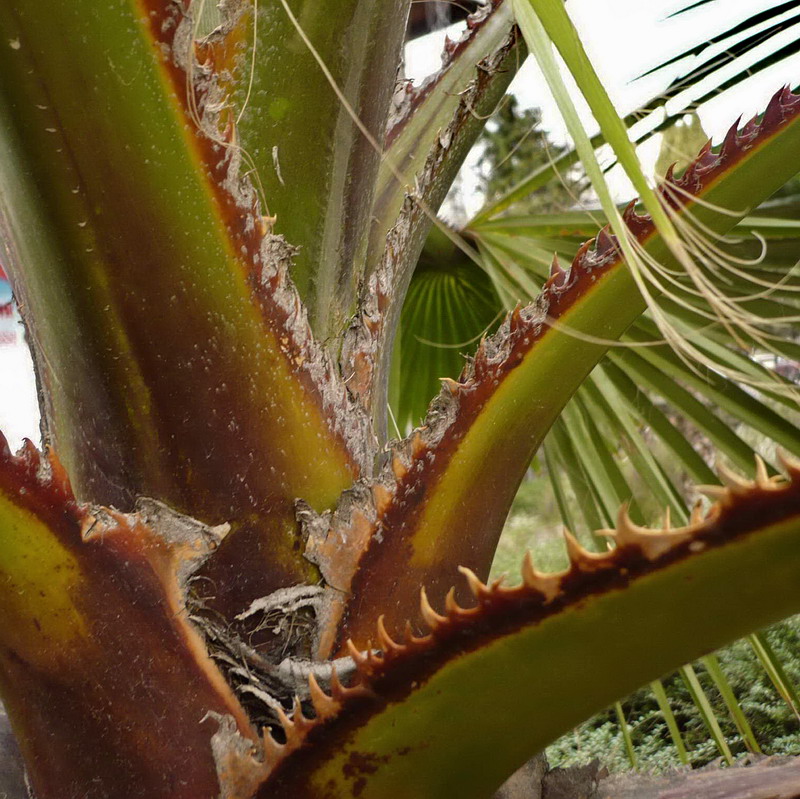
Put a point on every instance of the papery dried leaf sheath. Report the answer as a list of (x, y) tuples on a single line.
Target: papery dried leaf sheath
[(265, 261)]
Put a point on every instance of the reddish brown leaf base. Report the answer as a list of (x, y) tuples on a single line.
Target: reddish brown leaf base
[(120, 710)]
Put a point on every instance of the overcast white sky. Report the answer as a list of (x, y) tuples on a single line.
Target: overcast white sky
[(628, 37), (18, 411), (625, 37)]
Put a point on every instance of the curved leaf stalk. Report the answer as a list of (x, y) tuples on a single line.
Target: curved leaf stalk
[(368, 344), (141, 307), (319, 193), (107, 685), (416, 720), (444, 495), (421, 113)]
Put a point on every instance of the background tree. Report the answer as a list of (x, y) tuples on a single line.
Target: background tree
[(515, 144)]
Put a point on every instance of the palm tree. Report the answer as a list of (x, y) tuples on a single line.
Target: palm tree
[(210, 581)]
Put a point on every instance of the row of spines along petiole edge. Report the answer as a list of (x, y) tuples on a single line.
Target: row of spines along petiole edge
[(453, 409), (637, 551)]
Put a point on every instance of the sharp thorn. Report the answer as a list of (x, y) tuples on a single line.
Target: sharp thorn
[(29, 454), (575, 551), (373, 658), (409, 636), (478, 588), (730, 144), (715, 493), (580, 556), (359, 658), (627, 532), (773, 115), (558, 276), (337, 689), (272, 749), (285, 722), (735, 482), (450, 604), (750, 128), (762, 475), (604, 242), (547, 584), (451, 385), (324, 705), (580, 256), (431, 617), (385, 640), (529, 573)]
